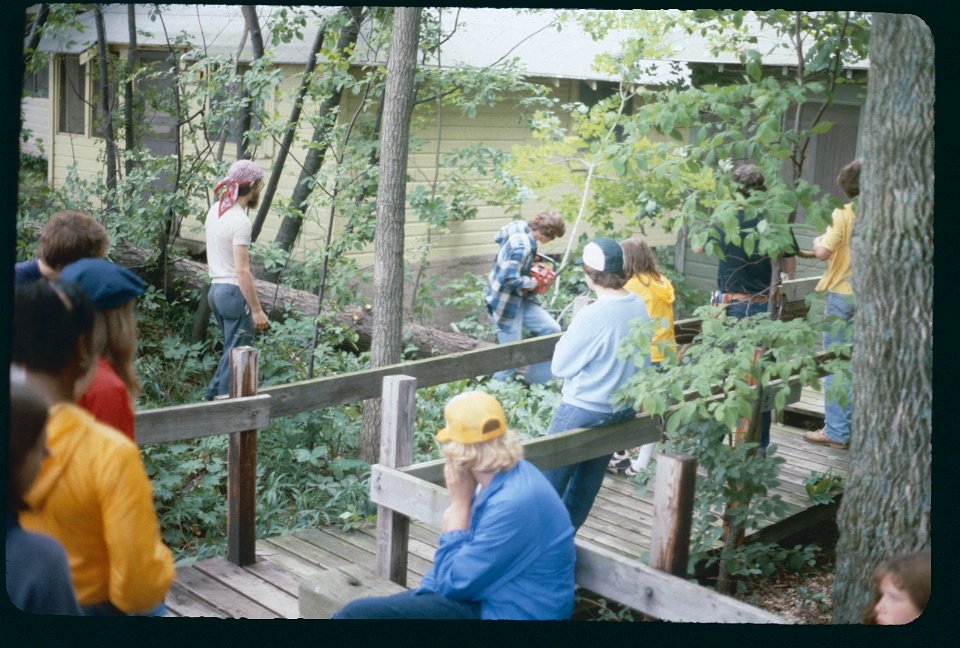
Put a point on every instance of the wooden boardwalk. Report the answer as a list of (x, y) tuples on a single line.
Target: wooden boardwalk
[(619, 521)]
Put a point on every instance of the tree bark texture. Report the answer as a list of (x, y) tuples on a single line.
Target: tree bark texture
[(290, 226), (387, 344), (886, 502), (36, 28), (189, 275)]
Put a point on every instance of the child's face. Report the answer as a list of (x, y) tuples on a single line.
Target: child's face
[(895, 606)]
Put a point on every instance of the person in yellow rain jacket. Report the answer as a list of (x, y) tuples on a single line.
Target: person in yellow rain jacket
[(92, 493), (656, 291)]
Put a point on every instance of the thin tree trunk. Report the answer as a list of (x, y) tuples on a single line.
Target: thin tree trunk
[(886, 502), (292, 223), (129, 109), (391, 198), (106, 116), (245, 119), (281, 159)]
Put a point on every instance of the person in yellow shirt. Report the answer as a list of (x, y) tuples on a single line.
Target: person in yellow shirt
[(834, 248), (92, 493), (652, 286)]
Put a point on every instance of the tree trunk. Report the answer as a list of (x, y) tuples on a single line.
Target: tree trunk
[(245, 118), (290, 226), (277, 171), (129, 99), (387, 346), (886, 502), (106, 118), (189, 275)]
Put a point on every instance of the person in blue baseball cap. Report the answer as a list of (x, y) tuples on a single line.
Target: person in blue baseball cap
[(113, 290), (587, 358)]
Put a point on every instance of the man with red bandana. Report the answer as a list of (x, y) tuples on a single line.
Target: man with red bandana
[(233, 297)]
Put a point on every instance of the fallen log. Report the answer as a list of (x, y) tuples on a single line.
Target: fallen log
[(277, 298)]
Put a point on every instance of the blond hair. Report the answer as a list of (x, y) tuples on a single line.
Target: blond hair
[(116, 333), (496, 455)]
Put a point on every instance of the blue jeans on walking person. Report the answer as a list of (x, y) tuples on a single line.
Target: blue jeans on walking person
[(837, 419), (411, 604), (233, 317), (579, 483), (741, 310), (532, 317)]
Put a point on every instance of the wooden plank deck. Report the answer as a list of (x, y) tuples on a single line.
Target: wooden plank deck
[(620, 521)]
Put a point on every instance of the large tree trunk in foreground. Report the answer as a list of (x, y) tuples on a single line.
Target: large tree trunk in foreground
[(387, 343), (886, 503), (191, 274)]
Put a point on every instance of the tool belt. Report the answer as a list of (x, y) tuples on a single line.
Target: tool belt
[(717, 298)]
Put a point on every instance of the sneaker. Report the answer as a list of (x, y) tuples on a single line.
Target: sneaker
[(619, 462), (819, 437)]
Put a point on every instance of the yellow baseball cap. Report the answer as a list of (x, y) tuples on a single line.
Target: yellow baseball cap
[(473, 417)]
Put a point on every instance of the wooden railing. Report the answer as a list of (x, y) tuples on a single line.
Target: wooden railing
[(248, 411)]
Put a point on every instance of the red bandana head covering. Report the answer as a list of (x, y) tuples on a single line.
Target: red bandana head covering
[(241, 172)]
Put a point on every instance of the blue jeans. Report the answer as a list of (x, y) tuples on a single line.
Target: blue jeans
[(532, 317), (109, 609), (579, 483), (741, 310), (837, 419), (411, 604), (233, 317)]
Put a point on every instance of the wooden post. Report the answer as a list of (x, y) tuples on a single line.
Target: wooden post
[(672, 513), (396, 451), (242, 465)]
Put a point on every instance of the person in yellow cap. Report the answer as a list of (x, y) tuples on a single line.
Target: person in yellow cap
[(506, 543)]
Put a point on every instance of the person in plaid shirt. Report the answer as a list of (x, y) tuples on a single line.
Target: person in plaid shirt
[(511, 304)]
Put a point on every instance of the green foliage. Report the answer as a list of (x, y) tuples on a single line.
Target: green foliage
[(823, 488)]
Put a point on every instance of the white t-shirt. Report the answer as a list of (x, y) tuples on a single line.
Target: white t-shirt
[(223, 232)]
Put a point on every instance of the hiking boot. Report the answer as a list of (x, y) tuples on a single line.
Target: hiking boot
[(819, 437)]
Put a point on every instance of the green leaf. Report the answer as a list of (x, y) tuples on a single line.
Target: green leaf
[(821, 127)]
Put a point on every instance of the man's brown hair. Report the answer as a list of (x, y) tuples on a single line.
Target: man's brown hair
[(548, 223), (849, 179), (70, 236)]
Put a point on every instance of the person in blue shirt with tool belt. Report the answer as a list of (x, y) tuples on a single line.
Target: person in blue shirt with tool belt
[(743, 280)]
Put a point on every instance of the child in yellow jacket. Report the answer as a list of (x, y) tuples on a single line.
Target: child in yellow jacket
[(656, 291)]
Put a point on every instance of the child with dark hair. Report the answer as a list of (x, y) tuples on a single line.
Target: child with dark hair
[(587, 358), (92, 493), (38, 578), (901, 589)]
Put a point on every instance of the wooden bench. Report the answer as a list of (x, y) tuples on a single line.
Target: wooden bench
[(323, 595)]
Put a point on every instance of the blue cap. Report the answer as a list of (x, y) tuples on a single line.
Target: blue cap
[(603, 254), (107, 284)]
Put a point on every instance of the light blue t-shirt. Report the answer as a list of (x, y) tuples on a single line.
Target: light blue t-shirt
[(586, 354)]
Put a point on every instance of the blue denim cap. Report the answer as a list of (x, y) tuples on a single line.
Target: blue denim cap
[(107, 284), (603, 254)]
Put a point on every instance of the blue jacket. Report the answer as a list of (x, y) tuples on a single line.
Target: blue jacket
[(38, 579), (586, 354), (510, 274), (517, 558)]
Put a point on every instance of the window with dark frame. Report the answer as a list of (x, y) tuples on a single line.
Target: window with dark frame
[(73, 90), (37, 84)]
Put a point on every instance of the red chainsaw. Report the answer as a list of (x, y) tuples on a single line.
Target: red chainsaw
[(543, 274)]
